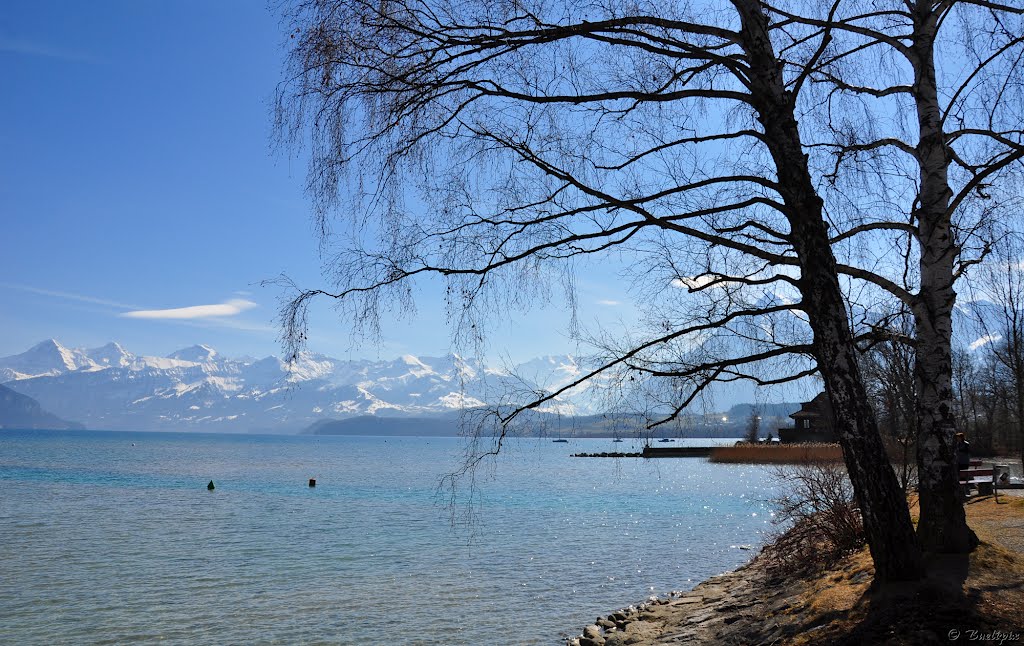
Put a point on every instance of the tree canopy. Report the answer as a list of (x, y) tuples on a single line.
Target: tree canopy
[(782, 177)]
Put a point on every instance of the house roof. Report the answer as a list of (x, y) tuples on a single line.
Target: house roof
[(813, 408)]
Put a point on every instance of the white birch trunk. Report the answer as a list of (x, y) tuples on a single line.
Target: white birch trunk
[(887, 524), (943, 525)]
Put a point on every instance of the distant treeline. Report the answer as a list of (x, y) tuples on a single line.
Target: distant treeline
[(534, 424)]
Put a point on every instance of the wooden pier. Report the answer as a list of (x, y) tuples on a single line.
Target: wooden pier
[(677, 451), (655, 452)]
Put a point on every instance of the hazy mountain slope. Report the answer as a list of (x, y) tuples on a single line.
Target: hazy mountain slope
[(21, 411)]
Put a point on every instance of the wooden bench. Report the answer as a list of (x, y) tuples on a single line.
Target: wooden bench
[(982, 479)]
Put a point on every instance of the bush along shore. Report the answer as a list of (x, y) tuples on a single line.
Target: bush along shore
[(966, 598)]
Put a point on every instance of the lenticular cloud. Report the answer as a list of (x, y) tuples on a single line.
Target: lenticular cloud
[(230, 308)]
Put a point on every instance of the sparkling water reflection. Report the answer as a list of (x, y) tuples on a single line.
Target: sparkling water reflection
[(113, 538)]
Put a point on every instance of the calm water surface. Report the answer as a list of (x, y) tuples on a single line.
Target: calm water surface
[(110, 538)]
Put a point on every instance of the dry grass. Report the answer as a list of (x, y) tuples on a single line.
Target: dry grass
[(965, 598), (982, 592), (777, 453)]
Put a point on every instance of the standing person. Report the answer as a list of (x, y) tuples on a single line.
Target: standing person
[(963, 462), (963, 452)]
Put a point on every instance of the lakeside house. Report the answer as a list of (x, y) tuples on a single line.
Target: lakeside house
[(812, 423)]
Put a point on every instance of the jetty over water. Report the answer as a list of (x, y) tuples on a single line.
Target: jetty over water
[(655, 452)]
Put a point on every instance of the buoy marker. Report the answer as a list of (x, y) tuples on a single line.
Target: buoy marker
[(210, 486), (312, 482)]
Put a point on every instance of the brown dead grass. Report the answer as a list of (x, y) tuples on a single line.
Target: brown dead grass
[(777, 453), (982, 592)]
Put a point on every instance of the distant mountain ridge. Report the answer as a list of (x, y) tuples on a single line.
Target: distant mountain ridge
[(438, 426), (197, 388), (21, 411), (534, 424), (781, 410)]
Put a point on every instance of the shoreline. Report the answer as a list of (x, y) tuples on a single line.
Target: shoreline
[(981, 592), (712, 610)]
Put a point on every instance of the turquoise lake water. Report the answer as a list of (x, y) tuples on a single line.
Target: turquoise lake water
[(112, 538)]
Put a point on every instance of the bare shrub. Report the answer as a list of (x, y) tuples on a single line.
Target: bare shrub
[(821, 519)]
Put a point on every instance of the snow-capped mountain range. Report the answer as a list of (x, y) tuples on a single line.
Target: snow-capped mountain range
[(197, 389)]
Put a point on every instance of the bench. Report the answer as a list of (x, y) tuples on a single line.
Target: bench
[(974, 475), (983, 479)]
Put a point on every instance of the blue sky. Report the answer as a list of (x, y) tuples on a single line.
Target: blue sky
[(137, 175)]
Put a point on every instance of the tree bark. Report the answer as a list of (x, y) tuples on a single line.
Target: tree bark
[(942, 526), (888, 528)]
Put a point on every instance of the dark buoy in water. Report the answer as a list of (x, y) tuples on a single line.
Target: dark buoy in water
[(210, 486), (312, 482)]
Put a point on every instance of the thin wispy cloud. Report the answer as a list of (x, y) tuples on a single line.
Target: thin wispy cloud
[(230, 324), (81, 298), (217, 310), (609, 303), (25, 47)]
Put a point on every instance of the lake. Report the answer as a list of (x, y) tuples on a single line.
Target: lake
[(113, 537)]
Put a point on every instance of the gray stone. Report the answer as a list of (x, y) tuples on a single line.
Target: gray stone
[(729, 607), (636, 632), (701, 616), (591, 631), (619, 639), (778, 607)]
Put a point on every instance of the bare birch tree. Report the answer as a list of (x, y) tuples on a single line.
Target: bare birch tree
[(922, 123), (493, 142)]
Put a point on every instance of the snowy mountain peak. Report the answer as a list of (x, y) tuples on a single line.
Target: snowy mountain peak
[(196, 388), (197, 353), (416, 367), (52, 348), (46, 358), (110, 355)]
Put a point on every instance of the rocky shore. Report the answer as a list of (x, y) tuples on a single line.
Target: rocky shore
[(736, 607), (979, 595)]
